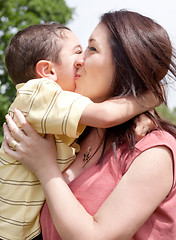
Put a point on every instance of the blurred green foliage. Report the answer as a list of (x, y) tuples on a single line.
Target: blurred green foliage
[(14, 16), (166, 113)]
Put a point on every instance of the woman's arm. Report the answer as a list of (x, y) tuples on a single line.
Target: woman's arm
[(141, 190)]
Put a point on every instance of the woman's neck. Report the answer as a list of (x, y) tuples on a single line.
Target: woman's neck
[(92, 140)]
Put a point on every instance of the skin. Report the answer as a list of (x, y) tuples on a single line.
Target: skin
[(70, 72), (122, 213), (95, 63), (65, 69)]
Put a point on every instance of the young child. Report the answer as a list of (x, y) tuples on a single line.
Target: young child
[(38, 62)]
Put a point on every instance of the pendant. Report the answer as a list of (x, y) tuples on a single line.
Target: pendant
[(87, 156)]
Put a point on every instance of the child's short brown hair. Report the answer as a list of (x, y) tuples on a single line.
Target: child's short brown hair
[(30, 45)]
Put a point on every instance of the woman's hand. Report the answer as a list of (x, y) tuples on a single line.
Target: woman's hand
[(33, 151)]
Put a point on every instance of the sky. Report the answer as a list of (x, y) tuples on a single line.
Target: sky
[(87, 13)]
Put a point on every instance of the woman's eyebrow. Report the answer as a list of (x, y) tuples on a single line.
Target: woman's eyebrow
[(92, 39)]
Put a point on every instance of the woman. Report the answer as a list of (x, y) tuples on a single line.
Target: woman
[(115, 189)]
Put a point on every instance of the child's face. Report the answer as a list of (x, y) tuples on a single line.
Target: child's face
[(66, 69)]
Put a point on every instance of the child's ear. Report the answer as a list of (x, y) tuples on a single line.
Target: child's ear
[(45, 69)]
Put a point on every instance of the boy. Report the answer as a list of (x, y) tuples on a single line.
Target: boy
[(40, 62)]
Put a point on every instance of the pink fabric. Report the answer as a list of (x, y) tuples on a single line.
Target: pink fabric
[(95, 184)]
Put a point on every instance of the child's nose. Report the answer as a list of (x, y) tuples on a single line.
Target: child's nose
[(79, 61)]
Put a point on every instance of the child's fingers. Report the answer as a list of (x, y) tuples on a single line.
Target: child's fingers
[(144, 125)]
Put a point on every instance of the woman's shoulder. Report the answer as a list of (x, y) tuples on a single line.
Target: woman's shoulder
[(154, 139), (157, 138)]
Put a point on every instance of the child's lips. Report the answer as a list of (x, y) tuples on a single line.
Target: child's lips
[(77, 76)]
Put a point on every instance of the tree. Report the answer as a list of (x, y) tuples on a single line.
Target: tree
[(167, 113), (16, 15)]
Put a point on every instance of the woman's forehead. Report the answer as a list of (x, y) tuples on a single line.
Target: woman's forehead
[(100, 34)]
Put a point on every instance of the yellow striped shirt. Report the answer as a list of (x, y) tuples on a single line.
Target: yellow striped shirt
[(50, 110)]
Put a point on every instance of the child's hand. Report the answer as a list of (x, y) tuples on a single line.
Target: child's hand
[(143, 126)]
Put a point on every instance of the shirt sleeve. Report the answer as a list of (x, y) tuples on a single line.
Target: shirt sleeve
[(49, 109), (153, 139)]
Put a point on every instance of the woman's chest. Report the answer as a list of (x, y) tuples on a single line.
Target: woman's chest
[(79, 166), (95, 184)]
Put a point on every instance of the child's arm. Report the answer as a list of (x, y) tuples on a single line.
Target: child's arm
[(117, 111)]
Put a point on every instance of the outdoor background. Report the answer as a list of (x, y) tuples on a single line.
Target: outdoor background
[(87, 13), (81, 16)]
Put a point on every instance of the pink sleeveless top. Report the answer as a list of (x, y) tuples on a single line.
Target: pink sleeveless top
[(95, 184)]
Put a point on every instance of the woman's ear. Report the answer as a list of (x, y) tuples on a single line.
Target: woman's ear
[(45, 69)]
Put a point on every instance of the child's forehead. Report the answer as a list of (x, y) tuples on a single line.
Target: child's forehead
[(62, 33), (61, 36), (68, 41)]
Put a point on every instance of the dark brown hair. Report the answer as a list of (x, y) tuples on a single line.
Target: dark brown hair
[(141, 50), (143, 56), (30, 45)]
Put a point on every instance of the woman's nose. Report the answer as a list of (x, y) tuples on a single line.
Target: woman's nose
[(79, 60)]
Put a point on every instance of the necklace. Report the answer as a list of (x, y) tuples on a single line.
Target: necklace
[(93, 149), (87, 156)]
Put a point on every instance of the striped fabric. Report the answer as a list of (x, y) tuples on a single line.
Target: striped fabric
[(50, 110)]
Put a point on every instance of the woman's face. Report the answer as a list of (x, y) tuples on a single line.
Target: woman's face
[(95, 67)]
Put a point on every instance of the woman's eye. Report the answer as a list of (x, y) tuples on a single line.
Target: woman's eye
[(92, 49)]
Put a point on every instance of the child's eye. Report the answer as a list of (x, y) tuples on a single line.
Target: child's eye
[(79, 52)]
